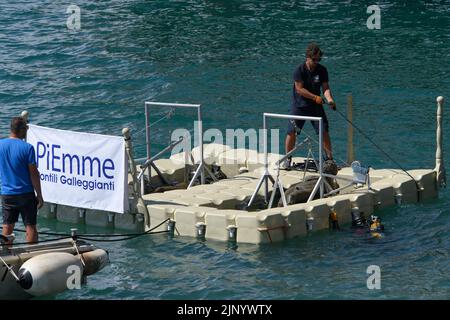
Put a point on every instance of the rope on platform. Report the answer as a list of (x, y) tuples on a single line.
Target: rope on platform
[(90, 237), (268, 229), (167, 115), (35, 242), (418, 189), (121, 239), (371, 141), (316, 141)]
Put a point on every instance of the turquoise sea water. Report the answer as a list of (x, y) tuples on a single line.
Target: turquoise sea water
[(236, 58)]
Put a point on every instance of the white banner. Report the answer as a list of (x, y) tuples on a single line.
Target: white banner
[(82, 170)]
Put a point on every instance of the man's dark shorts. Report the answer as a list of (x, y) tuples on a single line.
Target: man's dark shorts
[(309, 111), (25, 204)]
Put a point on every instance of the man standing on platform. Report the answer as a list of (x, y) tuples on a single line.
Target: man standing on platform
[(309, 78), (21, 185)]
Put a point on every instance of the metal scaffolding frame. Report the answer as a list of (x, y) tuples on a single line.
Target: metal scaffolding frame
[(277, 183), (201, 167)]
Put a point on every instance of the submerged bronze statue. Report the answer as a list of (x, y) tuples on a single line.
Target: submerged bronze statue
[(300, 192)]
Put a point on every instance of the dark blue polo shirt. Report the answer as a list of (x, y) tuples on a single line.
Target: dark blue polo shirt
[(312, 81), (15, 156)]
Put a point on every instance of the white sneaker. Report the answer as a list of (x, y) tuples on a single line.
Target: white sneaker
[(286, 164)]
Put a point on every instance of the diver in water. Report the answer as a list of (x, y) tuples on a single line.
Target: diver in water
[(372, 225), (376, 229)]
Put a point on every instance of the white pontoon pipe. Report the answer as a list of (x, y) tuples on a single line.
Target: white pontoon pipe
[(440, 169), (137, 196)]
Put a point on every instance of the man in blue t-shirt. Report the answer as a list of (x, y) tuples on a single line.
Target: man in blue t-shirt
[(309, 78), (20, 181)]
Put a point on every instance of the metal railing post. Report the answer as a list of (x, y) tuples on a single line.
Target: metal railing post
[(320, 157)]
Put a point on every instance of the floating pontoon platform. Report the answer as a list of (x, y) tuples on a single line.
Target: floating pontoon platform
[(218, 211), (212, 207)]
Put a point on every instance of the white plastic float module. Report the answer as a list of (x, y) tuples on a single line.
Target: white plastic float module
[(170, 170), (232, 160), (318, 214), (129, 221), (217, 223), (383, 194), (99, 218), (405, 188), (211, 153), (254, 227), (426, 179), (160, 213), (70, 214), (342, 206), (219, 200), (295, 218), (187, 218)]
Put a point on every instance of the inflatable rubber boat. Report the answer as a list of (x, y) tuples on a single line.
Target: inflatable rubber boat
[(47, 268)]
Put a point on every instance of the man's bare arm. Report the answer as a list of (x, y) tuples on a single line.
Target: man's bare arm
[(36, 181), (305, 93), (328, 95)]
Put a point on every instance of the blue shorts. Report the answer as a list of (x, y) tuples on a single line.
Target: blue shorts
[(309, 111)]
